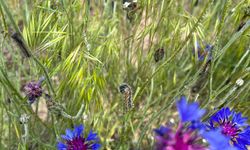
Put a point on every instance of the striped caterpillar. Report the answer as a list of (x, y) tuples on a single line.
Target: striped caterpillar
[(126, 90)]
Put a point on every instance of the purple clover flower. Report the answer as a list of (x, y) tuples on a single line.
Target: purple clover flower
[(190, 132), (33, 90), (75, 140), (232, 125)]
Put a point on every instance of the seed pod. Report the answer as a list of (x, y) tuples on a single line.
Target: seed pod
[(159, 54)]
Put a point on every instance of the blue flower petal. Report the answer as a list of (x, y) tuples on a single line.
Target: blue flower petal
[(61, 146), (223, 114), (65, 137), (189, 112), (208, 47), (96, 146), (218, 143), (239, 120), (244, 136), (162, 130), (197, 125), (207, 52), (92, 136), (69, 135), (240, 146), (78, 130)]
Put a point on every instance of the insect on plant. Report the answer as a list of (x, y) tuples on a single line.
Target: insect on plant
[(126, 90)]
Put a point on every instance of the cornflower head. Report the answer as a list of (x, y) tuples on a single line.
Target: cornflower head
[(190, 132), (233, 126), (33, 90), (75, 140)]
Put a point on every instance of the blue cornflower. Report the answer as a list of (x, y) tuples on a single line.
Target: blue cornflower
[(204, 52), (75, 140), (232, 125), (184, 137)]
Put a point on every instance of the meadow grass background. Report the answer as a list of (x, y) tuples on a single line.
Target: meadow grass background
[(86, 49)]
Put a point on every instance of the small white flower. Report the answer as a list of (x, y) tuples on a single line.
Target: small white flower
[(126, 4), (239, 82), (172, 120)]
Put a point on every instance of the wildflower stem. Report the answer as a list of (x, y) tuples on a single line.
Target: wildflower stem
[(241, 60), (238, 84), (53, 125), (26, 133), (10, 16), (88, 46), (24, 119), (46, 74), (3, 18), (66, 115)]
